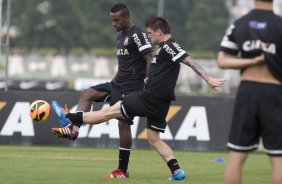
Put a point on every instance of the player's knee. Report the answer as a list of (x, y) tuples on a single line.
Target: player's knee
[(153, 138), (86, 93), (123, 126), (92, 94)]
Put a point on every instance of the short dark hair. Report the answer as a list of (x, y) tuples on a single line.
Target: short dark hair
[(120, 7), (158, 23)]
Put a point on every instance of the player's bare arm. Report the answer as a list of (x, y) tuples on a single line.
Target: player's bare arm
[(148, 58), (197, 68), (213, 83), (225, 61)]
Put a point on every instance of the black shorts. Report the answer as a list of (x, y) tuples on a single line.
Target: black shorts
[(257, 114), (116, 91), (139, 104)]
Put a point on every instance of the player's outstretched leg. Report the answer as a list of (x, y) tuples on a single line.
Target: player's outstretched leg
[(60, 113), (117, 174), (69, 131), (178, 175)]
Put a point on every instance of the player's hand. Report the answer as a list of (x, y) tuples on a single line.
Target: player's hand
[(259, 59), (215, 84)]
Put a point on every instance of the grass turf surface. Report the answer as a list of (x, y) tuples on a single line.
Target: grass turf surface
[(64, 165)]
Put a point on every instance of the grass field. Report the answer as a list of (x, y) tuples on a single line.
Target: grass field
[(65, 165)]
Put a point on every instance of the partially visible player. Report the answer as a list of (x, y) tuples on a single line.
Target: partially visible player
[(257, 37), (154, 101), (134, 53)]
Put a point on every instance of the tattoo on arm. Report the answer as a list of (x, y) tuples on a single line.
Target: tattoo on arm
[(197, 68)]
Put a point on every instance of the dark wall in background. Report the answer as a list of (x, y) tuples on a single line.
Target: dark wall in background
[(194, 123)]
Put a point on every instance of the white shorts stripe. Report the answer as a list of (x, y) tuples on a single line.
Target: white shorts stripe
[(157, 128), (107, 97), (273, 152), (124, 111), (144, 47), (245, 148), (178, 55), (228, 44)]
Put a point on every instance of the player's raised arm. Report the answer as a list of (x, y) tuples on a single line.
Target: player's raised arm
[(213, 82)]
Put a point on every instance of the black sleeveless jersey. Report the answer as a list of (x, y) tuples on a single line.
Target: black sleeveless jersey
[(131, 47), (164, 70), (247, 35)]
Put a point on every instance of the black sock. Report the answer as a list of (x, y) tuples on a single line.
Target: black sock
[(75, 118), (173, 165), (123, 159)]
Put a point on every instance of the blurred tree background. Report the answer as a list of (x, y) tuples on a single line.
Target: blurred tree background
[(65, 25)]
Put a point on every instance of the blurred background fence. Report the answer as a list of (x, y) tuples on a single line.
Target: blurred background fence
[(72, 43), (84, 71)]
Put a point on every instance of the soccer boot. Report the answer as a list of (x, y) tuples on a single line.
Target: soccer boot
[(178, 175), (60, 113), (117, 174), (65, 132)]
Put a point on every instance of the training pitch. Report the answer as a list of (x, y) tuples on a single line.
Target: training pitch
[(65, 165)]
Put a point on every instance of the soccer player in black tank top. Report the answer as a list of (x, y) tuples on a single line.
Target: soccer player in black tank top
[(257, 37)]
